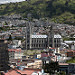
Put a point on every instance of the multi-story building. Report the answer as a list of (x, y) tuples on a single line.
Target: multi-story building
[(15, 54), (68, 68), (4, 58), (70, 53), (36, 64)]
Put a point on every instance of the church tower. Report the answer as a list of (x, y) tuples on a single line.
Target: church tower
[(28, 35), (51, 36)]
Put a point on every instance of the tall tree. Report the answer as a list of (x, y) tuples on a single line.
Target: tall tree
[(51, 67), (10, 38)]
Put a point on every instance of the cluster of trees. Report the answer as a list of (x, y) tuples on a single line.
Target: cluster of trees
[(31, 52), (59, 11), (4, 28), (71, 60), (53, 68), (68, 39)]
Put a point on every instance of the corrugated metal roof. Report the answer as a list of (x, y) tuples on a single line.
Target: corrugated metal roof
[(69, 42)]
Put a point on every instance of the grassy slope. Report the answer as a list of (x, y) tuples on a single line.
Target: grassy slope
[(60, 11), (71, 60)]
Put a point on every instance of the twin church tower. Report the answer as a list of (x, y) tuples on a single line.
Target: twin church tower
[(41, 41)]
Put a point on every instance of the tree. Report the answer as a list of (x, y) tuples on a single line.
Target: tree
[(10, 38), (62, 73), (6, 23), (51, 67)]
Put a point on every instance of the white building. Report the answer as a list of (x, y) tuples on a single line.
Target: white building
[(15, 44), (71, 44)]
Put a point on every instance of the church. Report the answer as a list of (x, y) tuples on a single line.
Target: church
[(41, 41)]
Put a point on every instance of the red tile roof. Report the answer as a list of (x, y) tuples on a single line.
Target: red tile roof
[(46, 54), (15, 50), (27, 72), (20, 72), (13, 72)]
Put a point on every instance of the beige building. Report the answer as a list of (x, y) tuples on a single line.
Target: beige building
[(35, 64), (18, 55), (15, 54)]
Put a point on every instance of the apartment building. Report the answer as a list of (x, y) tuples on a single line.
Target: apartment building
[(15, 54), (4, 58), (35, 64)]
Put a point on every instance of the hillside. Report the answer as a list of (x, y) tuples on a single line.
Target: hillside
[(59, 11)]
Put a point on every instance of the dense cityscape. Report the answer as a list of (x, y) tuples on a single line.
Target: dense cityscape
[(30, 46)]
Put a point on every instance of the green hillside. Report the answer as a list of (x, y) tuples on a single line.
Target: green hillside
[(59, 11)]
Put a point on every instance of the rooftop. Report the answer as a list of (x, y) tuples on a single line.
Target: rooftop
[(63, 64), (21, 72), (69, 42), (45, 36), (39, 36), (57, 36), (15, 50)]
